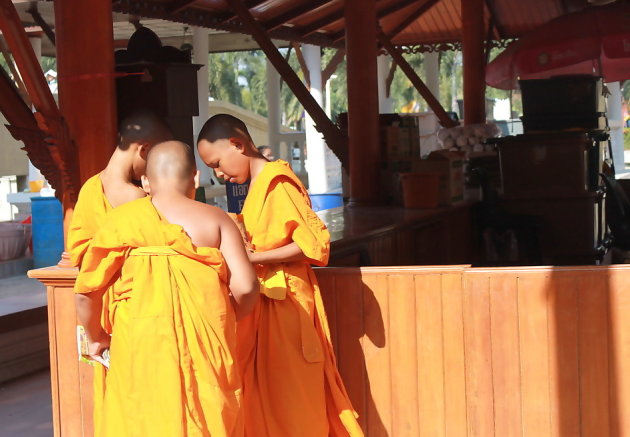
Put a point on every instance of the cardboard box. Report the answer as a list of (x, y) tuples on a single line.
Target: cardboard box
[(450, 165)]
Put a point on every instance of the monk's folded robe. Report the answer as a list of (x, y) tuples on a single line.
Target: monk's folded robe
[(291, 385), (172, 370)]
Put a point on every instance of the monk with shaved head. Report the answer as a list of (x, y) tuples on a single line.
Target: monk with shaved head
[(118, 183), (181, 280), (291, 384)]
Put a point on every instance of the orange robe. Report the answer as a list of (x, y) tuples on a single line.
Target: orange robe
[(172, 370), (291, 386), (89, 215)]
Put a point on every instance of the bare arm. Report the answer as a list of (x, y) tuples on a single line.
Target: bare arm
[(288, 253), (242, 279), (89, 307)]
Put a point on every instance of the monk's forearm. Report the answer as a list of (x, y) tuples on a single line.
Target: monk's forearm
[(89, 308), (289, 253), (244, 305)]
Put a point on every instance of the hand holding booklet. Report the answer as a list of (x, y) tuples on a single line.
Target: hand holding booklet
[(82, 343)]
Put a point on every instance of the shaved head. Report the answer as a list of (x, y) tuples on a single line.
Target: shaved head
[(223, 127), (171, 160), (143, 127)]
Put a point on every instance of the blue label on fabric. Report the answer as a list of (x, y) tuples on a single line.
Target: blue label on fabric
[(236, 194)]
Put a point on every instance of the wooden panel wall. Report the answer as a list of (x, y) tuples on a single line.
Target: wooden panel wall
[(459, 352)]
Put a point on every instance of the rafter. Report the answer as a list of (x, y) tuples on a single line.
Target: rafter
[(293, 13), (39, 20), (248, 4), (180, 5), (428, 4), (322, 22), (494, 17)]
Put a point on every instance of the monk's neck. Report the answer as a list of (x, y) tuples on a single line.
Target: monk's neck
[(119, 167), (256, 165)]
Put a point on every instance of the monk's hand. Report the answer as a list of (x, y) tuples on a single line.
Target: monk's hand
[(98, 345)]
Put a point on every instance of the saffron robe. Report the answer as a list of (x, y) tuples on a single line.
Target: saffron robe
[(291, 385), (172, 367), (89, 215)]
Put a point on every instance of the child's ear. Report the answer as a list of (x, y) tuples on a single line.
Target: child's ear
[(238, 143), (145, 184), (143, 150)]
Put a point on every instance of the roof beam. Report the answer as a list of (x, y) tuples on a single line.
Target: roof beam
[(248, 4), (305, 71), (335, 139), (293, 13), (322, 22), (180, 5), (426, 94), (202, 18), (333, 64), (39, 20), (494, 17), (428, 4)]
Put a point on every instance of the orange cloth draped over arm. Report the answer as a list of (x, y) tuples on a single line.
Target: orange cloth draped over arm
[(173, 371), (290, 379)]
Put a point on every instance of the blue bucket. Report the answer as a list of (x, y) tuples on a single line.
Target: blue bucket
[(321, 202), (47, 231)]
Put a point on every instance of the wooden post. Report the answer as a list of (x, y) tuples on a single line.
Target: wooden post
[(363, 133), (85, 64), (473, 33), (426, 94)]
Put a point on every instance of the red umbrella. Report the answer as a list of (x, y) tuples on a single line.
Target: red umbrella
[(594, 41)]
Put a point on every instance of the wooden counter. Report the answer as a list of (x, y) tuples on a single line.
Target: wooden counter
[(391, 236)]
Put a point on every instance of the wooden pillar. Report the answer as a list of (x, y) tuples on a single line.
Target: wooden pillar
[(85, 68), (361, 23), (473, 33)]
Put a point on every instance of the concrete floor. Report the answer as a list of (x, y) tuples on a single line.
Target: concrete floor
[(25, 407), (19, 293)]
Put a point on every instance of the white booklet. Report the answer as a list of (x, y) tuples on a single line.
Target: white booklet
[(82, 344)]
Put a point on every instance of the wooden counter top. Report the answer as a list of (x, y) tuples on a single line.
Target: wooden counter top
[(359, 227)]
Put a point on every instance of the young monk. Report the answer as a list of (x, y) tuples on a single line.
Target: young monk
[(175, 261), (291, 386), (118, 183), (115, 185)]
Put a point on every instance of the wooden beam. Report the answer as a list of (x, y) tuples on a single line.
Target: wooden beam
[(335, 139), (49, 119), (390, 79), (293, 13), (39, 20), (433, 103), (248, 4), (180, 5), (334, 62), (322, 22), (428, 4), (302, 62), (494, 17), (16, 75)]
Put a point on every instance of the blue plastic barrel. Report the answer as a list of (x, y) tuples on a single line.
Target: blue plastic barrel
[(47, 231), (324, 201)]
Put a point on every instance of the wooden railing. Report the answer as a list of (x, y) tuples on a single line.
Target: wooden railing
[(445, 351), (460, 352)]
